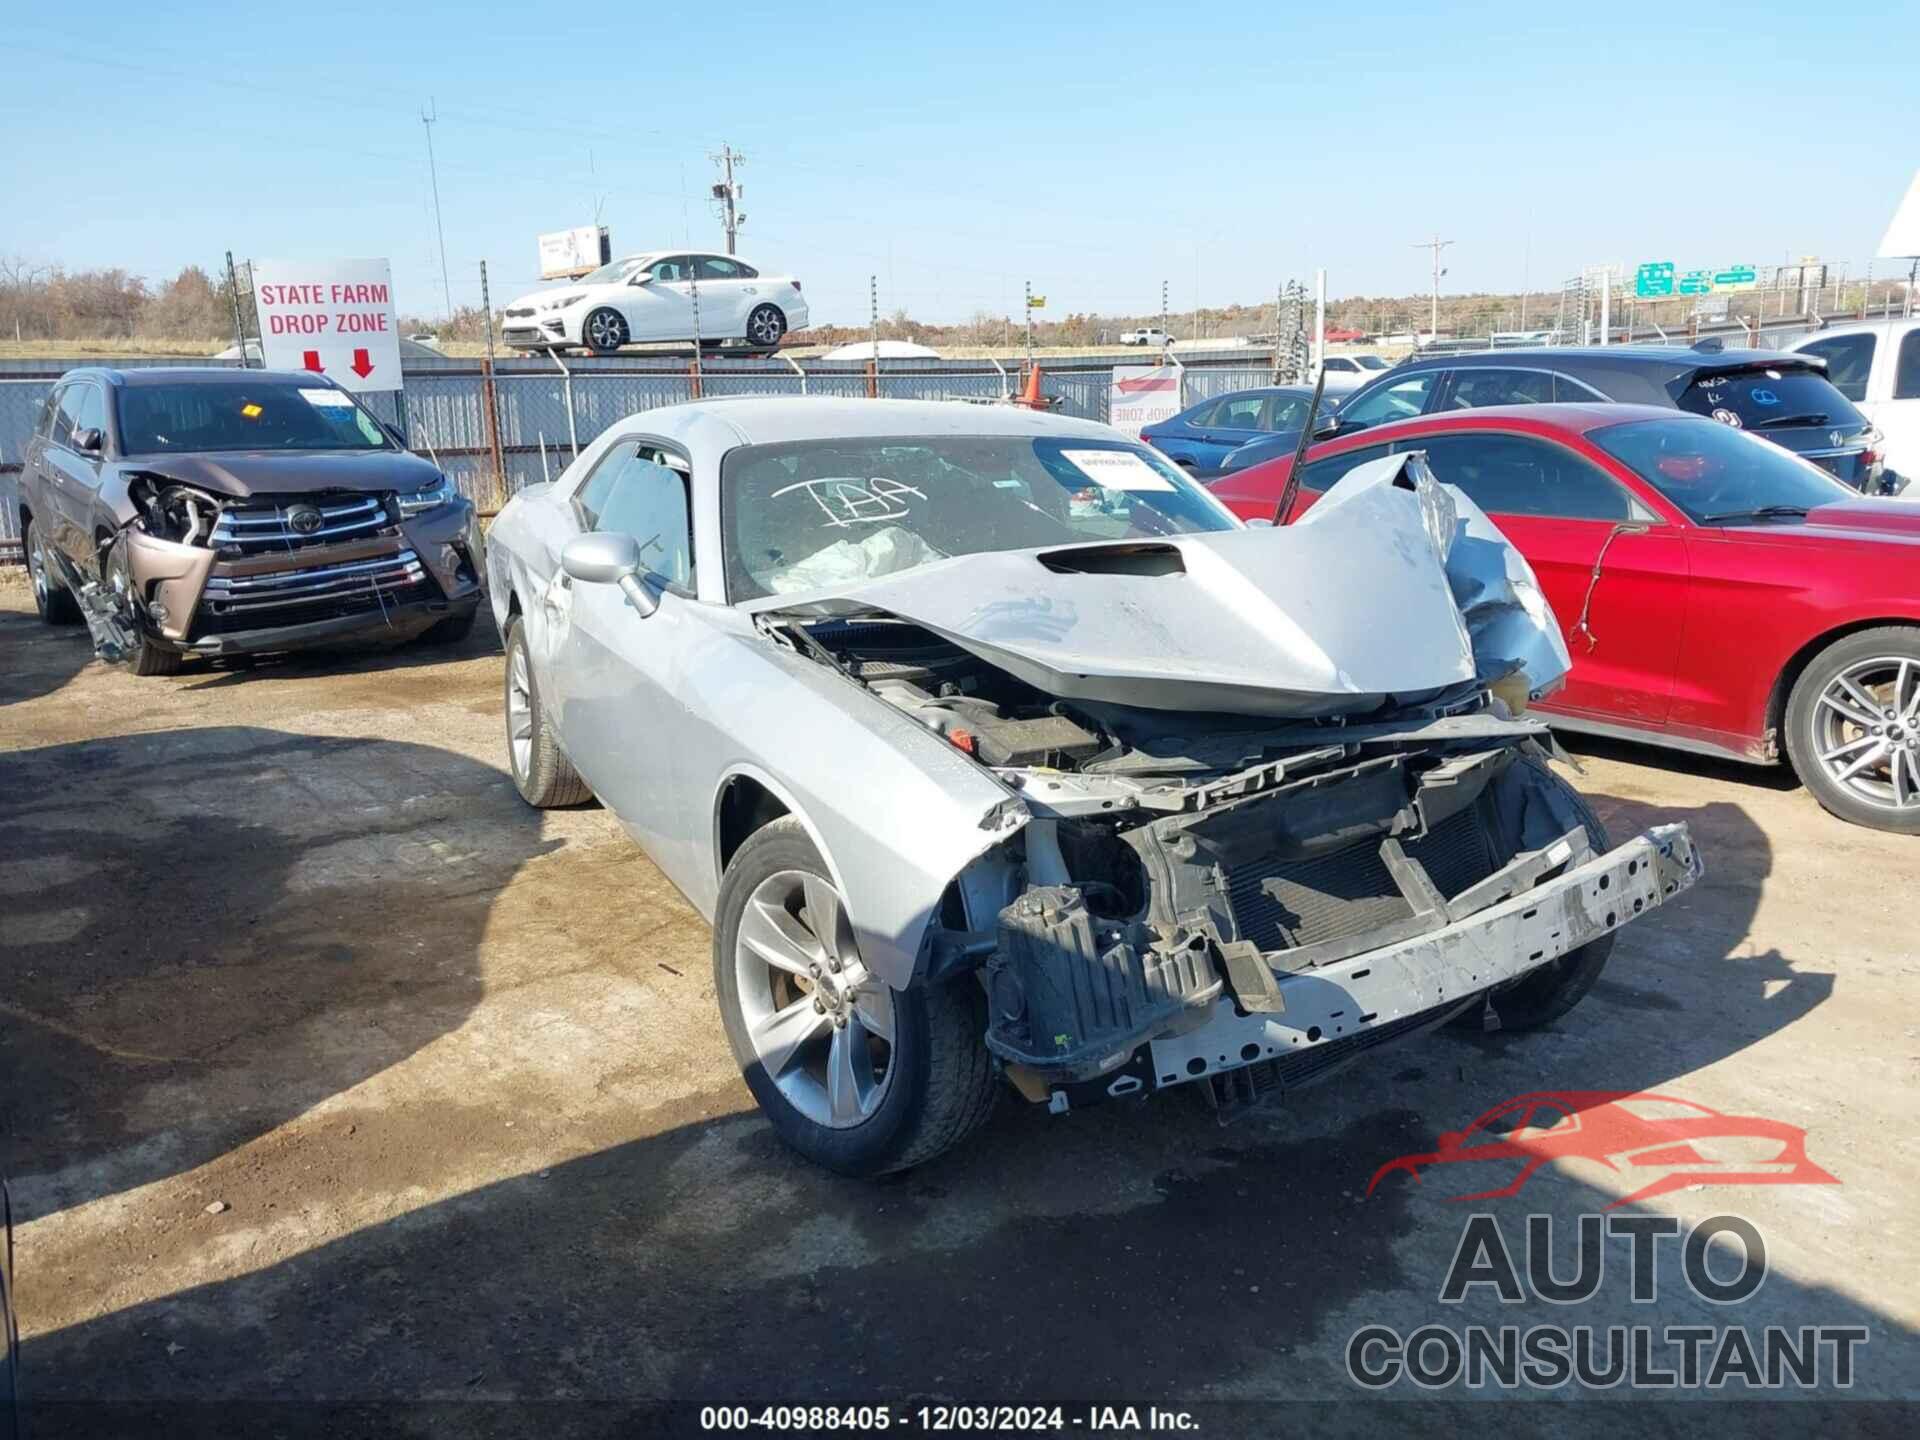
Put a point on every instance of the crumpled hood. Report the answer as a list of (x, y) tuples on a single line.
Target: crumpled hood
[(1392, 589), (292, 472)]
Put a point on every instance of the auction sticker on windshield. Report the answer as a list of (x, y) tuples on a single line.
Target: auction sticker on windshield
[(1117, 469)]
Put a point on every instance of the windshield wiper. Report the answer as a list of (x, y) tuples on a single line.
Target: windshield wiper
[(1762, 512), (1775, 422)]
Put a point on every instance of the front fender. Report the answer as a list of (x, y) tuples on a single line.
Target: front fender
[(895, 810)]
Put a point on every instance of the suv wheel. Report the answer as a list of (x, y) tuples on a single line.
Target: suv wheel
[(1853, 728), (50, 595), (853, 1074)]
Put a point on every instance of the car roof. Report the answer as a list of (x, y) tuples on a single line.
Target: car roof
[(1571, 417), (194, 375), (1677, 359), (767, 420)]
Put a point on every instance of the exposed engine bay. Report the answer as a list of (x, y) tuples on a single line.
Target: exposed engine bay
[(1180, 868)]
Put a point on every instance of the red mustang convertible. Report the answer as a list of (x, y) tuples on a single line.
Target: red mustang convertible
[(1718, 594)]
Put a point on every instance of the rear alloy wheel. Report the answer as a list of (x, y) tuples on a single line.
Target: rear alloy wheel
[(51, 598), (853, 1074), (765, 327), (1853, 728), (541, 771), (605, 331)]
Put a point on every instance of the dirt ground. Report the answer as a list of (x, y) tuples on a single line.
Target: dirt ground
[(331, 1075)]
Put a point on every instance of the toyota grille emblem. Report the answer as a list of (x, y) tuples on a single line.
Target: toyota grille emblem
[(303, 519)]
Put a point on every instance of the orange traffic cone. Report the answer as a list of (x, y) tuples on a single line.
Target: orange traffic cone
[(1033, 399)]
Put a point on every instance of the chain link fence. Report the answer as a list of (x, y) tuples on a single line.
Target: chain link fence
[(543, 411)]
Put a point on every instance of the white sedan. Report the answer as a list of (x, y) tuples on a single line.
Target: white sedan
[(671, 295)]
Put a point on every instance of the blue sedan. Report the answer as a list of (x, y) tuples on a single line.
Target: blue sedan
[(1201, 437)]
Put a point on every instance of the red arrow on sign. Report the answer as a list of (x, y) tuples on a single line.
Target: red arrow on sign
[(311, 359), (362, 366)]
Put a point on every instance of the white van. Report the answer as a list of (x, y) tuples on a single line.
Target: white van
[(1876, 364)]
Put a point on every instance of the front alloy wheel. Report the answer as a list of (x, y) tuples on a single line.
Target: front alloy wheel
[(821, 1025), (605, 331), (851, 1073), (1853, 728)]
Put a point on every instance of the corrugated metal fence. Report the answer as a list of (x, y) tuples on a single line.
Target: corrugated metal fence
[(543, 412)]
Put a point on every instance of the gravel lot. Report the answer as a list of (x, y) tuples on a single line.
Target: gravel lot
[(331, 1073)]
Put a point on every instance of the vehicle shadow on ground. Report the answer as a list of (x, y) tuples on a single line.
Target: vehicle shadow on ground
[(1128, 1253), (365, 658), (36, 658), (1679, 762), (704, 1265), (237, 924)]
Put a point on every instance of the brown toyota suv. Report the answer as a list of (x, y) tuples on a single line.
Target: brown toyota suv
[(185, 512)]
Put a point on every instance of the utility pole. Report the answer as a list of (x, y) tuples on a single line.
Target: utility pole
[(727, 192), (233, 298), (427, 119), (1436, 245), (1163, 310), (1029, 290)]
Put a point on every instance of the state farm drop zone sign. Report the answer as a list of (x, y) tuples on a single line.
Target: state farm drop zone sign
[(334, 317)]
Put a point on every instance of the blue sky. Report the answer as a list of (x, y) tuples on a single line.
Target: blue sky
[(955, 151)]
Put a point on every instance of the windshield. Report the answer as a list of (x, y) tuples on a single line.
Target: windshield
[(614, 274), (1715, 472), (814, 513), (1771, 400), (243, 414)]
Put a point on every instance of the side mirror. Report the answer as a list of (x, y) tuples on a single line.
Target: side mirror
[(1260, 523), (1326, 425), (89, 441), (609, 558), (645, 277)]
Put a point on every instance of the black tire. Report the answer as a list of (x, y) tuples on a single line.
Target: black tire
[(50, 595), (766, 326), (1805, 721), (151, 659), (450, 631), (943, 1085), (546, 780), (1553, 989), (604, 331)]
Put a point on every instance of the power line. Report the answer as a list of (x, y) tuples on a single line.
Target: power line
[(433, 170)]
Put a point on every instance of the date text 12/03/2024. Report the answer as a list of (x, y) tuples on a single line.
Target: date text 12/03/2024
[(937, 1419)]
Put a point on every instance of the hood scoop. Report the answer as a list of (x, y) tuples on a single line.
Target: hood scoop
[(1383, 596)]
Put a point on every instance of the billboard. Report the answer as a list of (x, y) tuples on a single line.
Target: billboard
[(333, 317), (569, 254)]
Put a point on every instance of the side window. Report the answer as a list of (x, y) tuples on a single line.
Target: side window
[(1849, 361), (591, 498), (1289, 412), (1906, 375), (1340, 365), (1206, 414), (66, 416), (1565, 387), (49, 407), (1515, 475), (648, 501), (673, 268), (91, 412), (1398, 401), (1473, 389), (1242, 412), (715, 267), (1323, 475)]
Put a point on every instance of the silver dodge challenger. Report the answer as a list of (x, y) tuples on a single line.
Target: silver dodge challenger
[(998, 753)]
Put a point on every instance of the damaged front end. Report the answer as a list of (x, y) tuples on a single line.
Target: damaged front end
[(1352, 836), (194, 570)]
